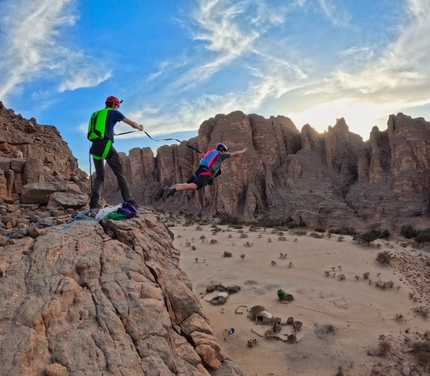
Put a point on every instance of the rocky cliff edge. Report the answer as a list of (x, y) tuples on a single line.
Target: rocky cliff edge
[(103, 298)]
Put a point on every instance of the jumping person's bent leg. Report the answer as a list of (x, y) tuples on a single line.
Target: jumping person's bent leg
[(98, 181), (115, 164)]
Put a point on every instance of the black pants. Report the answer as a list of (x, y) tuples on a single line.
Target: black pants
[(114, 163)]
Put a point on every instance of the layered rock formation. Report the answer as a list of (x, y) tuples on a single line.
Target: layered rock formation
[(104, 299), (334, 179), (33, 153)]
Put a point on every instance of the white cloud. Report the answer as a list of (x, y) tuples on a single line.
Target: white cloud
[(32, 48), (334, 13)]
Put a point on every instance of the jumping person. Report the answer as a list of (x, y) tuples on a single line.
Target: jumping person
[(209, 168), (101, 134)]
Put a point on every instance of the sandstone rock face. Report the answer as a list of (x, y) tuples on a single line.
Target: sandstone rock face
[(80, 302), (33, 153), (328, 180)]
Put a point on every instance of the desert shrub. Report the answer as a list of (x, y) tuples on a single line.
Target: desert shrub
[(421, 310), (227, 254), (421, 351), (385, 234), (299, 232), (242, 256), (384, 347), (193, 247), (315, 235), (280, 228), (283, 296), (273, 263), (357, 277), (369, 237), (341, 277), (282, 238), (423, 236), (236, 227), (293, 225), (243, 235), (199, 228), (319, 229), (343, 231), (202, 237), (213, 241), (408, 231), (384, 257), (398, 317), (366, 275), (327, 273)]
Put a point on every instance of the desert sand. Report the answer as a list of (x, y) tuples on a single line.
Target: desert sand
[(343, 320)]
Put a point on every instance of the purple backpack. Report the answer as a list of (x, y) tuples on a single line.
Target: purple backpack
[(128, 210)]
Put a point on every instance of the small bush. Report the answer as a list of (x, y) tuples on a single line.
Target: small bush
[(319, 229), (399, 317), (422, 311), (343, 231), (283, 296), (421, 351), (213, 241), (366, 275), (193, 247), (243, 235), (384, 257), (300, 232), (384, 347), (316, 236), (227, 254), (408, 231), (242, 256), (273, 263)]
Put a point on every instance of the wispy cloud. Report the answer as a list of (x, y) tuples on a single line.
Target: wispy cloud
[(336, 14), (31, 46), (222, 36)]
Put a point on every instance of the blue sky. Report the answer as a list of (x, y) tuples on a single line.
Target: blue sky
[(176, 63)]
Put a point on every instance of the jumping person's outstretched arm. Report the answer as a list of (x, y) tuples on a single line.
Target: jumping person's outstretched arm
[(237, 153), (133, 124)]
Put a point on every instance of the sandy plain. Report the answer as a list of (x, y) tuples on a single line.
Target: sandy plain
[(343, 320)]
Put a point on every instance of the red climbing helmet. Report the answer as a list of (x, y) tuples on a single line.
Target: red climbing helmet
[(113, 100)]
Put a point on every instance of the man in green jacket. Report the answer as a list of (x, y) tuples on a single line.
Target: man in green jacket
[(101, 134)]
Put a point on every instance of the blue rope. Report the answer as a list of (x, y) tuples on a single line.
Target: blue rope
[(80, 215)]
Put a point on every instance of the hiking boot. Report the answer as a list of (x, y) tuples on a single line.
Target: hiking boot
[(160, 194), (134, 203)]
